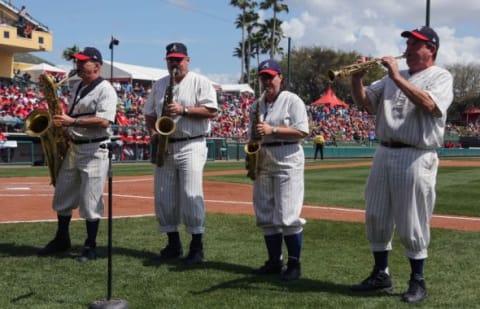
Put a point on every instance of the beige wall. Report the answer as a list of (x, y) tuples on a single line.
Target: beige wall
[(6, 64), (11, 43)]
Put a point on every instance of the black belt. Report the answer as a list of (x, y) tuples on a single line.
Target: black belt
[(90, 141), (395, 145), (274, 144), (182, 139)]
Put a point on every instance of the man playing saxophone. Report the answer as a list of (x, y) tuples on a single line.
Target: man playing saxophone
[(279, 183), (178, 181), (83, 172)]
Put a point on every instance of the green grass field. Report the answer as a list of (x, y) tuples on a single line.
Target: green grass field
[(335, 255)]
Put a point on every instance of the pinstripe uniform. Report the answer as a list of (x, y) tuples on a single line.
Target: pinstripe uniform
[(81, 179), (178, 183), (400, 190), (279, 186)]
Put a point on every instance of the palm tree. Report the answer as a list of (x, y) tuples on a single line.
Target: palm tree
[(250, 19), (274, 38), (69, 52), (240, 23), (277, 8)]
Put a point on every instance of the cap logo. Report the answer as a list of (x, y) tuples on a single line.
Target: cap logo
[(173, 48), (266, 66)]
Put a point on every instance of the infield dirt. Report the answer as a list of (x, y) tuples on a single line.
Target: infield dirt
[(29, 199)]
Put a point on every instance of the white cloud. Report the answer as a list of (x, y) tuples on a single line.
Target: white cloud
[(373, 27)]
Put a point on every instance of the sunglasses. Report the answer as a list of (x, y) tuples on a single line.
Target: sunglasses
[(174, 59)]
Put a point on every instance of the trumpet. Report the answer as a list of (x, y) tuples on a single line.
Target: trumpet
[(356, 67)]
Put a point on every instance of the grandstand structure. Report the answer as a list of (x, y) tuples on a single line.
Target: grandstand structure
[(19, 35)]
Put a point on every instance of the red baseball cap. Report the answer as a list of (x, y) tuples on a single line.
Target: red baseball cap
[(424, 33), (89, 53)]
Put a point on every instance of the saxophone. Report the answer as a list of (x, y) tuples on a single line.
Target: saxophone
[(165, 126), (252, 148), (39, 123)]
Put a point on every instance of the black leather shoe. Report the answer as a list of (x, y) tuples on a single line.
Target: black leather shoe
[(417, 290), (171, 252), (293, 271), (270, 267), (56, 245), (88, 254), (194, 257), (378, 280)]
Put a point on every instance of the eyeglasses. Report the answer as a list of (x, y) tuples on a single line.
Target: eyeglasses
[(174, 59), (266, 76)]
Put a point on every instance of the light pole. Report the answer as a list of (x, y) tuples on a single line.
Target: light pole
[(427, 18), (288, 62)]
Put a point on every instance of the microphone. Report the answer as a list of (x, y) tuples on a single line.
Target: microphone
[(113, 42)]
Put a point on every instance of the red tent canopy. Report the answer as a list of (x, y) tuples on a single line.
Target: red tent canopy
[(330, 99), (471, 114)]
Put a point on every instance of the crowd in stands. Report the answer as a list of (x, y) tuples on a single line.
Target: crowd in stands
[(336, 124)]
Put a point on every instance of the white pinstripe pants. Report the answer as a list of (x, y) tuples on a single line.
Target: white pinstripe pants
[(81, 181), (279, 189), (400, 193), (178, 187)]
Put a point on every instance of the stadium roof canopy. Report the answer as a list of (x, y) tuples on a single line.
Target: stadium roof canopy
[(124, 71), (236, 88)]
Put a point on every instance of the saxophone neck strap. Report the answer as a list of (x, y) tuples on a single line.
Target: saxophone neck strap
[(84, 92), (269, 105)]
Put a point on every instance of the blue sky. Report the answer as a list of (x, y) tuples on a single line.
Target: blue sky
[(207, 27)]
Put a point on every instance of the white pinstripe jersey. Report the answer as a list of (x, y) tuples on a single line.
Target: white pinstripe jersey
[(193, 90), (400, 120), (288, 110), (100, 102)]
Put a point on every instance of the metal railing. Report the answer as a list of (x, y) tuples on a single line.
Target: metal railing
[(28, 151)]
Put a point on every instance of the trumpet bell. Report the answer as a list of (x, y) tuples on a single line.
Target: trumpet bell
[(38, 122), (332, 74)]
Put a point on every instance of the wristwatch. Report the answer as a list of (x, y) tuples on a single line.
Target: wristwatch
[(275, 130), (185, 111)]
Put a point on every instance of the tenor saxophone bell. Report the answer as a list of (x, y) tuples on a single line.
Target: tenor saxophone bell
[(251, 152), (252, 148), (165, 126)]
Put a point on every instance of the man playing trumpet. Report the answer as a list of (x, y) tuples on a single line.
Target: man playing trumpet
[(411, 110)]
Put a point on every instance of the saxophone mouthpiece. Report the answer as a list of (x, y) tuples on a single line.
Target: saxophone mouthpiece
[(72, 73)]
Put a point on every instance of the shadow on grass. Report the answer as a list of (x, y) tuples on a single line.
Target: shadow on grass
[(303, 285), (248, 281), (255, 282), (16, 250)]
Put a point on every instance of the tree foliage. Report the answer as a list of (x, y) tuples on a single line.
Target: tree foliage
[(68, 53), (258, 38), (309, 65), (466, 88), (309, 72)]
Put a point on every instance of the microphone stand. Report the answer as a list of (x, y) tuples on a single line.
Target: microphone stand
[(109, 303)]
